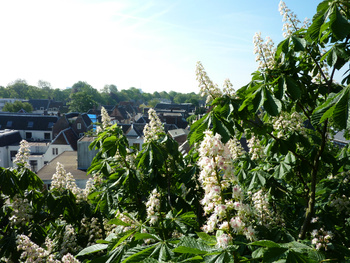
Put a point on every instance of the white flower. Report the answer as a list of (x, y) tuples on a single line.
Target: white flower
[(22, 156), (153, 128), (105, 119)]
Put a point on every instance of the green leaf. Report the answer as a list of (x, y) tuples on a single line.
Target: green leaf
[(207, 238), (299, 43), (92, 249), (197, 129), (272, 105), (264, 243)]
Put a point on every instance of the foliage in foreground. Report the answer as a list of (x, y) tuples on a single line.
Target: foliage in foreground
[(284, 198)]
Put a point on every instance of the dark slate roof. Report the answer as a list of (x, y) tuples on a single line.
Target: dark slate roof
[(9, 138), (168, 106), (124, 127), (27, 122), (67, 137), (123, 112), (138, 127), (142, 120), (37, 104), (86, 119), (72, 115), (55, 104)]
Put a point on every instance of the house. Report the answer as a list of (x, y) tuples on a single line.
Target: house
[(40, 106), (31, 127), (179, 135), (8, 138), (69, 161)]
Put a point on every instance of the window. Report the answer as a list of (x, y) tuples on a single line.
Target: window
[(50, 124), (79, 126), (30, 124), (33, 165), (13, 155), (54, 151), (47, 136), (28, 135), (9, 124), (41, 108)]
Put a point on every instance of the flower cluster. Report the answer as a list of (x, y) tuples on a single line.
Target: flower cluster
[(321, 238), (341, 204), (256, 149), (105, 119), (61, 180), (287, 123), (153, 207), (31, 251), (92, 228), (21, 211), (207, 87), (291, 20), (69, 241), (217, 180), (235, 148), (228, 89), (153, 128), (265, 52), (22, 156), (223, 240), (263, 214)]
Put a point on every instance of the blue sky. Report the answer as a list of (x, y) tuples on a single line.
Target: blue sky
[(149, 44)]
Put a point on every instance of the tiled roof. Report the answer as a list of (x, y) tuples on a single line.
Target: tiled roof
[(67, 137), (27, 122)]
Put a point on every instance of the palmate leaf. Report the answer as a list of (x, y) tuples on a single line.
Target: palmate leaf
[(328, 23), (336, 107), (272, 105), (197, 129), (92, 249)]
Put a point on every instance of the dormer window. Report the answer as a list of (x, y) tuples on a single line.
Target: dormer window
[(50, 125), (79, 126), (9, 124), (30, 124)]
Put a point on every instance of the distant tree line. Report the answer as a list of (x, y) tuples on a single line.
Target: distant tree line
[(82, 96)]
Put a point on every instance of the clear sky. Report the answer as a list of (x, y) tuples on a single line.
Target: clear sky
[(149, 44)]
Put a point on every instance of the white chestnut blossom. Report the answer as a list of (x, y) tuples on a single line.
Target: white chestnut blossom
[(22, 156), (153, 207), (61, 180), (321, 238), (153, 128), (92, 228), (216, 177), (228, 89), (292, 23), (287, 123), (223, 240), (22, 211), (256, 149), (105, 119), (235, 148), (31, 252), (207, 87), (265, 52), (69, 241)]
